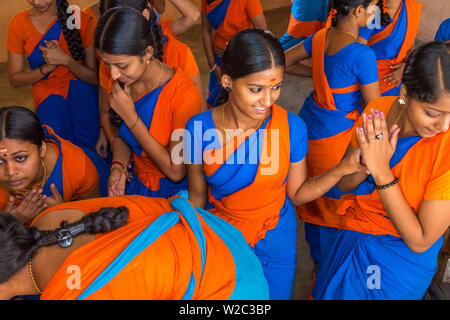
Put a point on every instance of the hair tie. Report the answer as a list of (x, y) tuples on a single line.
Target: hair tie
[(385, 9)]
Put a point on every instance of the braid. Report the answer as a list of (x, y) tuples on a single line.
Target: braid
[(19, 244), (157, 36), (385, 17), (72, 36)]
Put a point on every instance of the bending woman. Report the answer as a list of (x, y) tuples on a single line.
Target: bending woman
[(345, 76), (221, 19), (160, 250), (171, 52), (62, 68), (38, 169), (247, 157), (392, 37), (156, 101), (392, 226)]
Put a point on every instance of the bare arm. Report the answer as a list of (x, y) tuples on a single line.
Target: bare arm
[(109, 130), (207, 38), (301, 189), (259, 21), (198, 82), (370, 92), (293, 57), (197, 185), (190, 14), (17, 75)]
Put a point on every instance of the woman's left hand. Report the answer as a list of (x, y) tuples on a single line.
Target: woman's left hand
[(395, 77), (377, 144), (122, 103), (53, 54)]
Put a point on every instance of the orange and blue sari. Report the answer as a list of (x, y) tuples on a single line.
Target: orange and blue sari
[(330, 113), (367, 258), (227, 18), (247, 186), (393, 42), (68, 105), (163, 111), (168, 250), (307, 17), (443, 33), (74, 174)]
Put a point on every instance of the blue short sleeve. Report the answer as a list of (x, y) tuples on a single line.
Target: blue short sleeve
[(443, 33), (307, 44), (299, 137), (365, 65)]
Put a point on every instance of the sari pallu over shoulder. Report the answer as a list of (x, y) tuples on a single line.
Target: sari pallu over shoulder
[(409, 13), (254, 209), (201, 241), (332, 136)]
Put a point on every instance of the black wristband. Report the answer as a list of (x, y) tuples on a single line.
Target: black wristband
[(385, 186)]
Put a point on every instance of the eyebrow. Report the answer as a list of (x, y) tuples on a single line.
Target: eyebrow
[(17, 152), (264, 85), (436, 110)]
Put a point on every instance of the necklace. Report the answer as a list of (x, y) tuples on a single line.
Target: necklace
[(400, 115), (223, 123), (24, 193), (353, 36), (32, 277), (160, 74)]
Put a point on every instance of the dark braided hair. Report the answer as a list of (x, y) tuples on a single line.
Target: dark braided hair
[(19, 244), (156, 36), (72, 36), (427, 72), (385, 17), (344, 7)]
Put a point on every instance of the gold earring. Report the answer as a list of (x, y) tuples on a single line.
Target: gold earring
[(148, 61), (401, 101)]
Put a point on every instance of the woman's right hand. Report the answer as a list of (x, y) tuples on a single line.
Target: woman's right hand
[(30, 206), (351, 164), (218, 73), (116, 182), (102, 145)]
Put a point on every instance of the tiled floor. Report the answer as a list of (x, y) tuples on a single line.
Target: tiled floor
[(294, 91)]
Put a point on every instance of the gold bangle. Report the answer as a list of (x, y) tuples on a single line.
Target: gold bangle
[(316, 185)]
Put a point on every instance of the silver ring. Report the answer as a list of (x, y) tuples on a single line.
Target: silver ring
[(379, 136)]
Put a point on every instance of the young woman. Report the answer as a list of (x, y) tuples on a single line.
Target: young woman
[(247, 157), (392, 37), (156, 101), (127, 248), (172, 52), (62, 68), (345, 76), (307, 17), (221, 19), (38, 169), (392, 225)]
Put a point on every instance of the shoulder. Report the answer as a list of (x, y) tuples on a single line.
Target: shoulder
[(202, 118), (19, 19)]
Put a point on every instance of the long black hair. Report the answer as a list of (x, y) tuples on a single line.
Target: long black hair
[(250, 51), (22, 124), (19, 244), (344, 7), (72, 35), (123, 30), (427, 72)]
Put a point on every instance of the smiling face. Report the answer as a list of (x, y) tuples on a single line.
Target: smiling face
[(126, 69), (254, 94), (429, 120), (19, 164), (42, 5)]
